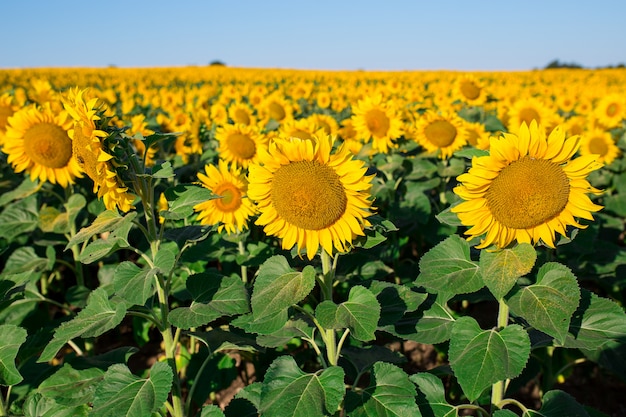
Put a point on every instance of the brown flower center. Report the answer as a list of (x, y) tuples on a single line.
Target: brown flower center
[(230, 197), (527, 193), (308, 195), (242, 146), (48, 144), (440, 133)]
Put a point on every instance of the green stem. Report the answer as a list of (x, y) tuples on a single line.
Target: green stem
[(328, 271), (498, 389), (480, 410), (511, 401), (3, 409), (242, 251), (196, 383)]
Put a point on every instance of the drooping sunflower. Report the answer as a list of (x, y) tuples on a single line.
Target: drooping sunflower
[(232, 209), (527, 188), (310, 196), (376, 119), (37, 141), (88, 147), (239, 143), (601, 143), (442, 132)]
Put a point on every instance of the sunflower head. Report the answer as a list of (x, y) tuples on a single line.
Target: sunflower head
[(442, 132), (309, 195), (377, 119), (526, 189), (231, 209), (37, 141)]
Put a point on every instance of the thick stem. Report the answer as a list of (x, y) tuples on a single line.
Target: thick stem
[(498, 389), (3, 410), (328, 272), (242, 251)]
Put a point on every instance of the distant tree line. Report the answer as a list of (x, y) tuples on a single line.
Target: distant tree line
[(558, 64)]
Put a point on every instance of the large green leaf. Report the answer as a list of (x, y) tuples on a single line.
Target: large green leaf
[(53, 220), (25, 189), (264, 325), (36, 405), (448, 268), (479, 358), (107, 221), (395, 300), (288, 391), (362, 359), (99, 316), (389, 394), (277, 286), (24, 259), (218, 340), (246, 402), (12, 339), (501, 269), (214, 296), (548, 304), (109, 242), (211, 411), (182, 198), (72, 387), (19, 218), (360, 314), (295, 327), (431, 396), (558, 404), (121, 393), (134, 284), (597, 321)]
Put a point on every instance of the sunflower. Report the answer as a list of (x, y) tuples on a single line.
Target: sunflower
[(232, 209), (470, 90), (610, 110), (241, 113), (442, 132), (377, 120), (89, 149), (7, 108), (600, 143), (300, 128), (326, 122), (477, 135), (526, 189), (37, 141), (309, 196), (525, 110), (239, 143)]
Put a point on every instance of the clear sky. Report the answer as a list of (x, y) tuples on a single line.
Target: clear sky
[(313, 34)]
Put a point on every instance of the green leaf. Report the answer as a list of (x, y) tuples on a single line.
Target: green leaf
[(362, 359), (184, 234), (431, 396), (479, 358), (246, 402), (360, 314), (211, 411), (165, 258), (448, 217), (294, 328), (597, 321), (134, 284), (265, 325), (548, 304), (99, 316), (13, 337), (14, 283), (218, 340), (109, 243), (214, 296), (277, 286), (395, 300), (24, 259), (36, 405), (505, 413), (72, 387), (123, 394), (448, 268), (288, 391), (163, 170), (18, 218), (107, 221), (389, 394), (25, 189), (501, 269), (558, 404), (182, 198)]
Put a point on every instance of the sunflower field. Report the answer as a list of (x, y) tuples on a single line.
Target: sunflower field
[(215, 241)]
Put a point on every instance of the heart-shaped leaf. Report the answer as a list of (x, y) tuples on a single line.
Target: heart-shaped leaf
[(479, 358), (501, 269), (12, 338)]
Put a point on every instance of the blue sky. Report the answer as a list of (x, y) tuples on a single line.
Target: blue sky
[(316, 34)]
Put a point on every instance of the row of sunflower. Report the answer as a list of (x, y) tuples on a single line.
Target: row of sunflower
[(245, 177)]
